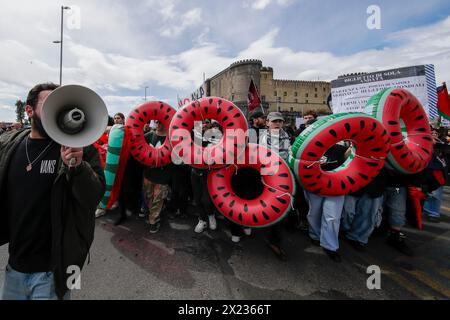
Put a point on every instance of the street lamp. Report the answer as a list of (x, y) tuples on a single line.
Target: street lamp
[(61, 42), (146, 93)]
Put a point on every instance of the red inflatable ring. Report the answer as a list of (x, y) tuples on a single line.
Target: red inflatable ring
[(232, 143), (410, 154), (274, 202), (371, 146), (139, 148)]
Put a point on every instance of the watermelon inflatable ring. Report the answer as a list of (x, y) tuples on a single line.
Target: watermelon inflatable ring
[(371, 145), (397, 108), (139, 148), (116, 160), (268, 208), (234, 128)]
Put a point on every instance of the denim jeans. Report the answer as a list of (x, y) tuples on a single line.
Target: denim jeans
[(360, 217), (324, 219), (395, 205), (432, 205), (29, 286)]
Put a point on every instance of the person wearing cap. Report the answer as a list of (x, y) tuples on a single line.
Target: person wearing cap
[(277, 140), (257, 122)]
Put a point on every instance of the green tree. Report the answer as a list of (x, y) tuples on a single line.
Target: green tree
[(20, 111)]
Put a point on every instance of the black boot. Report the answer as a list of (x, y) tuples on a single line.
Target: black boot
[(396, 239), (121, 220), (358, 246), (123, 216), (333, 255)]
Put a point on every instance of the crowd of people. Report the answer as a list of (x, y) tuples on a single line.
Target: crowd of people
[(10, 127), (383, 205), (32, 164)]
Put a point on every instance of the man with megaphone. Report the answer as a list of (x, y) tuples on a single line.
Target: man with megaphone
[(49, 191)]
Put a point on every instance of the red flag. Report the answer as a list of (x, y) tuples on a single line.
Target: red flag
[(416, 196), (443, 102), (253, 100)]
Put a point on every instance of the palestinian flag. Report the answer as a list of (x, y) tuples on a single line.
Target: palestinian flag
[(443, 102)]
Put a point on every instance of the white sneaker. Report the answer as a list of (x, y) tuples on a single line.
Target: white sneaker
[(100, 212), (142, 213), (212, 222), (200, 226), (129, 213), (248, 231), (235, 239), (115, 205)]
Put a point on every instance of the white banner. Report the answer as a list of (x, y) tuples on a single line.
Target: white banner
[(350, 94), (196, 95)]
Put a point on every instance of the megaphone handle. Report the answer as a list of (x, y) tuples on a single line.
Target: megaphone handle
[(72, 163)]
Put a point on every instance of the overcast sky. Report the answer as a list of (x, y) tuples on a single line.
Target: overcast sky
[(123, 46)]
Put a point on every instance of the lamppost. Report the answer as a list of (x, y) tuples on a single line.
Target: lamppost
[(146, 93), (61, 42)]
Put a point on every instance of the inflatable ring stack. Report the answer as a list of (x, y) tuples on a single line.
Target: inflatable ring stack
[(398, 109), (139, 148), (116, 159), (274, 202), (371, 145), (229, 116), (102, 147)]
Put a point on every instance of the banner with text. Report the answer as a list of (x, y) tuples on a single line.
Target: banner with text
[(196, 95), (350, 94)]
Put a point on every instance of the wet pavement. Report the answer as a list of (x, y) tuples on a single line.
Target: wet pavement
[(127, 262)]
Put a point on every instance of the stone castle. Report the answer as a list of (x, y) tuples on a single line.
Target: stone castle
[(292, 97)]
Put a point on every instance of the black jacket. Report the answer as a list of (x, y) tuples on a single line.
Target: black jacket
[(74, 197), (162, 175)]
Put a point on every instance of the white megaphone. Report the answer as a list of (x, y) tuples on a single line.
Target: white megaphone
[(74, 116)]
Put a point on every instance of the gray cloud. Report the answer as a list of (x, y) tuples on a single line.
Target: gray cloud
[(118, 56)]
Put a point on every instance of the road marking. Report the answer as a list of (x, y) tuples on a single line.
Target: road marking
[(315, 250), (206, 233), (406, 284), (445, 273), (399, 279), (424, 278), (124, 228), (161, 246), (433, 265), (181, 227), (426, 264), (432, 235)]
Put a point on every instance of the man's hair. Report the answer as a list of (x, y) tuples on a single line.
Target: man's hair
[(33, 95), (311, 113), (120, 115)]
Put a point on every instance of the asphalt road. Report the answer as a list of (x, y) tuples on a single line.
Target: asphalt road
[(128, 262)]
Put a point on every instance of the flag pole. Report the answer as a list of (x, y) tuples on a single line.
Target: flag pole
[(259, 96)]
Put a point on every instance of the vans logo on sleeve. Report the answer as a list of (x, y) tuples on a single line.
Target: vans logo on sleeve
[(48, 166)]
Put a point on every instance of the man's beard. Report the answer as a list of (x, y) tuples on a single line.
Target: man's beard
[(36, 124)]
